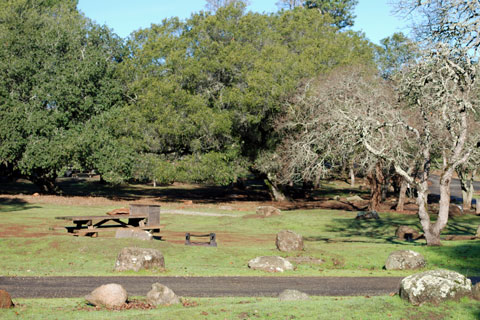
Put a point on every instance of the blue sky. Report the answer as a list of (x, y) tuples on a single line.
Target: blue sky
[(374, 17)]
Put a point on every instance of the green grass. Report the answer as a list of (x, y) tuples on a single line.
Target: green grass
[(348, 247), (252, 308)]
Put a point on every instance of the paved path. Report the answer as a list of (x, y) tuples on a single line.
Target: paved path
[(67, 287), (455, 188), (56, 287)]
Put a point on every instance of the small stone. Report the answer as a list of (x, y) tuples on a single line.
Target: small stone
[(5, 300), (268, 211), (109, 295), (405, 260), (367, 215), (292, 295), (289, 241), (162, 295), (135, 259), (270, 264)]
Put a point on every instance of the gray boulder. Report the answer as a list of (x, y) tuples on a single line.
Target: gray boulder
[(434, 286), (133, 234), (289, 241), (268, 211), (270, 264), (162, 295), (135, 259), (406, 232), (405, 259), (292, 295), (109, 295)]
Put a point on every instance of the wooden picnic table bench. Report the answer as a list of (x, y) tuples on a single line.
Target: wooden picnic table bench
[(141, 217)]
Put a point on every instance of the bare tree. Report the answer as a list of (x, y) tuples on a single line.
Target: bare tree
[(446, 79), (453, 22), (467, 171), (353, 110), (289, 4), (439, 90), (319, 138), (214, 5)]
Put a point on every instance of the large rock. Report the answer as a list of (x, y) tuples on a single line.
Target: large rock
[(135, 259), (405, 259), (455, 210), (109, 295), (292, 295), (268, 211), (270, 264), (434, 286), (289, 241), (162, 295), (406, 232), (133, 234), (5, 300)]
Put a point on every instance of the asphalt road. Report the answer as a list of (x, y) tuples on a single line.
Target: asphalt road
[(65, 287), (68, 287), (455, 189)]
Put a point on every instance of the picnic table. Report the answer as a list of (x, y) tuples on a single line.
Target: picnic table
[(141, 217)]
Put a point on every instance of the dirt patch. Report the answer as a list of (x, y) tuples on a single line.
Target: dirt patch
[(54, 244), (15, 231), (129, 305)]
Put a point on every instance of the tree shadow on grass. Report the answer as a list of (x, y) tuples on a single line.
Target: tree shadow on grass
[(463, 257), (465, 225), (14, 204), (367, 231)]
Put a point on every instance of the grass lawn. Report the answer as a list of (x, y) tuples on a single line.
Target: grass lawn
[(330, 308), (348, 247)]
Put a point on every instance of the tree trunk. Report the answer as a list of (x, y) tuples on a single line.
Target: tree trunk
[(442, 219), (466, 183), (352, 176), (431, 236), (375, 179), (275, 192), (402, 195), (46, 184), (154, 183)]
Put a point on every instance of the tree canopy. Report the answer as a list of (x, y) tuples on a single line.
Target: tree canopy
[(209, 87), (57, 80)]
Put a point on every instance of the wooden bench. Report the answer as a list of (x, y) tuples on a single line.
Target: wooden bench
[(141, 217)]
